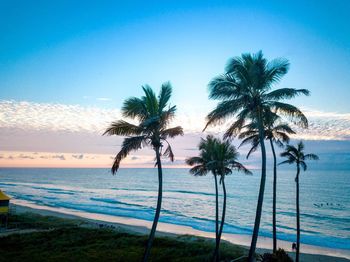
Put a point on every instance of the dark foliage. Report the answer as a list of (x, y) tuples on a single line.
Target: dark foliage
[(279, 256)]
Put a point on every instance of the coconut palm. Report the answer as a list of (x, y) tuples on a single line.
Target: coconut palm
[(219, 158), (276, 132), (296, 155), (153, 115), (201, 168), (245, 92)]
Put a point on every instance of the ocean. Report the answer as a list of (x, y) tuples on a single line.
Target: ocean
[(190, 201)]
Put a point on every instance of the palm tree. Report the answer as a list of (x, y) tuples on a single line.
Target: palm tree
[(296, 155), (245, 92), (201, 168), (276, 133), (153, 115), (219, 158)]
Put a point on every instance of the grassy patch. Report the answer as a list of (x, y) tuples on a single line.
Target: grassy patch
[(31, 220), (68, 242)]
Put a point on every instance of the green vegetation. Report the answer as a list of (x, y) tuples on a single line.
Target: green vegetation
[(296, 155), (219, 158), (34, 221), (68, 242), (278, 256)]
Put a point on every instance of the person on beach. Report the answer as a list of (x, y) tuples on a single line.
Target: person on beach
[(294, 246)]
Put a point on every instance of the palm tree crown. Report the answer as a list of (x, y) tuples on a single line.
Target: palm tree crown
[(274, 130), (245, 92), (153, 114), (216, 156), (296, 155)]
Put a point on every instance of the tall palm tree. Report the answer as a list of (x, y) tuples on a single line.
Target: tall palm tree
[(296, 155), (201, 167), (153, 115), (219, 158), (245, 92), (276, 133)]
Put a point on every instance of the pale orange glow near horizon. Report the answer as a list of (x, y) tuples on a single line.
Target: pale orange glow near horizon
[(72, 160)]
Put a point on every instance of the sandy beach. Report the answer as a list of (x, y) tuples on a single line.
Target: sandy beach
[(309, 252)]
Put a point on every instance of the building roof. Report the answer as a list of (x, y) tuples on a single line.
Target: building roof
[(3, 196)]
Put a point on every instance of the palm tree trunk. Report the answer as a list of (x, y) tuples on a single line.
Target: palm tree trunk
[(216, 216), (298, 215), (159, 204), (251, 256), (222, 220), (274, 194)]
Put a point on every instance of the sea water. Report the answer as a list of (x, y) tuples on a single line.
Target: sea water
[(190, 201)]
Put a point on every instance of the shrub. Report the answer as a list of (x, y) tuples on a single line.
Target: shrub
[(279, 256)]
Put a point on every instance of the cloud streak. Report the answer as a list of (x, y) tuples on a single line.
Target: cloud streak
[(54, 117), (29, 116)]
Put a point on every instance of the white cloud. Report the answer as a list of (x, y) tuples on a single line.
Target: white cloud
[(31, 116), (325, 126), (54, 117), (103, 99)]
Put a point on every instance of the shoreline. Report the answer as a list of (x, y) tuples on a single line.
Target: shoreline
[(165, 229)]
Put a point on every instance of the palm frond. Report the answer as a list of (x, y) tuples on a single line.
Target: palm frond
[(223, 87), (248, 132), (292, 150), (150, 100), (283, 128), (288, 161), (240, 167), (223, 110), (249, 140), (166, 116), (199, 170), (285, 93), (300, 148), (235, 128), (281, 137), (290, 111), (196, 160), (290, 155), (172, 132), (164, 95), (254, 147), (275, 70), (169, 153), (134, 108), (122, 128), (129, 144), (311, 157), (303, 165)]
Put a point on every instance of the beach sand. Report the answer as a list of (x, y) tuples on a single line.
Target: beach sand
[(131, 225)]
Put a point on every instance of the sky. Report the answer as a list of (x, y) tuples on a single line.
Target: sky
[(67, 66)]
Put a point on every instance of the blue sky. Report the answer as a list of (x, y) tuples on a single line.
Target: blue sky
[(75, 52), (94, 54)]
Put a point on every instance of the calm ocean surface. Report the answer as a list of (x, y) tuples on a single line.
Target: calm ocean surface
[(188, 200)]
